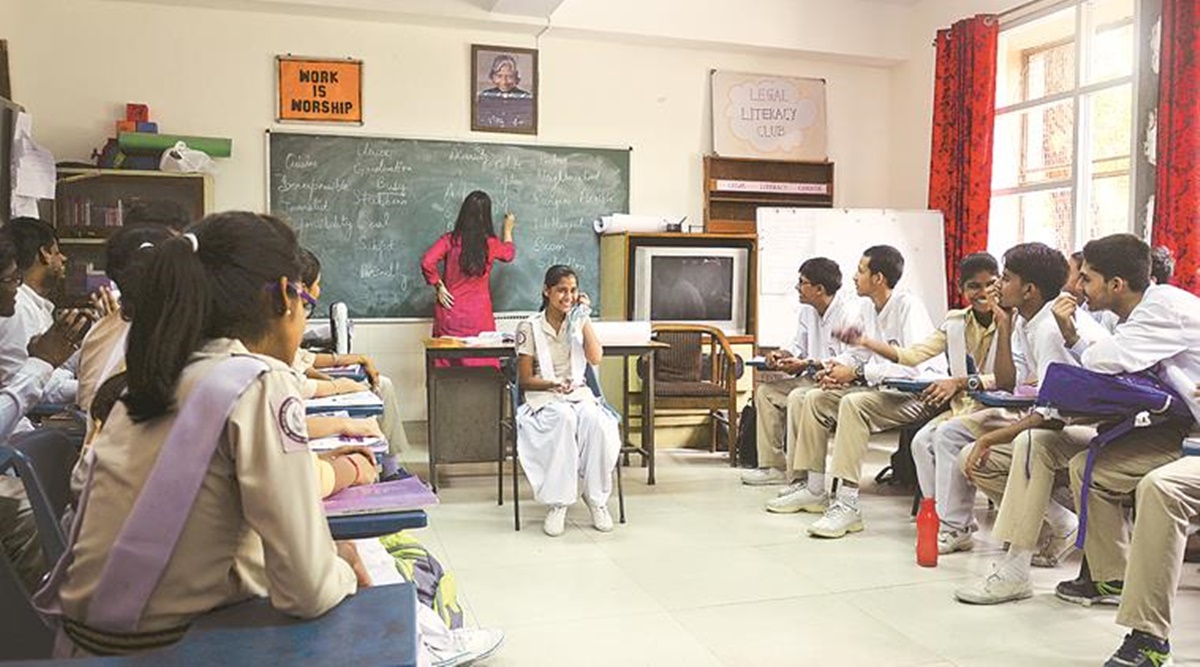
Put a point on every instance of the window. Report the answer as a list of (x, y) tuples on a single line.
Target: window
[(1064, 133)]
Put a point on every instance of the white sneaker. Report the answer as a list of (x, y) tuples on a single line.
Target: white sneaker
[(763, 477), (802, 500), (469, 646), (1054, 549), (950, 541), (839, 519), (556, 520), (601, 519), (791, 488), (994, 589)]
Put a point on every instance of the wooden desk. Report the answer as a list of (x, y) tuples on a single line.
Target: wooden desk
[(362, 526), (647, 349), (442, 348)]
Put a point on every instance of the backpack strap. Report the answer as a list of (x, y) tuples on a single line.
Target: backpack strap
[(146, 541), (1120, 430), (956, 345)]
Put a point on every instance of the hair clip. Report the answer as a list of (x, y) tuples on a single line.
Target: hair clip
[(193, 240)]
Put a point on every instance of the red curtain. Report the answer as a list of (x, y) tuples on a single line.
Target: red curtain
[(960, 167), (1177, 191)]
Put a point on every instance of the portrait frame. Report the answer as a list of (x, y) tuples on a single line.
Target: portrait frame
[(504, 89)]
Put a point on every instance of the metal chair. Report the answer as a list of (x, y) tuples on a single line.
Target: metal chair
[(689, 377), (44, 459), (508, 446)]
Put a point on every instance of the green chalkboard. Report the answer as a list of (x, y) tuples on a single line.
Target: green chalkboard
[(369, 207)]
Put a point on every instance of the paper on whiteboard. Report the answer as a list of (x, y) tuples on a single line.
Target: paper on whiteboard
[(788, 245), (619, 223)]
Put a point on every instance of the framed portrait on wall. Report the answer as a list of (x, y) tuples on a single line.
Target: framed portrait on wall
[(504, 89)]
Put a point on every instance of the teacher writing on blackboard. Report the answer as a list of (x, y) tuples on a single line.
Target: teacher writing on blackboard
[(464, 299)]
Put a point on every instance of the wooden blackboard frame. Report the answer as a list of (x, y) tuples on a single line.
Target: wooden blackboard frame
[(624, 166)]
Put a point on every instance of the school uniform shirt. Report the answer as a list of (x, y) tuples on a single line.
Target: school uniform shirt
[(980, 338), (305, 360), (257, 527), (1105, 318), (1038, 342), (34, 314), (902, 322), (814, 331), (101, 356), (1162, 333), (560, 356), (20, 392)]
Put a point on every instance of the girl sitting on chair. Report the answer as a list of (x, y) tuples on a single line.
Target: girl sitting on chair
[(564, 431)]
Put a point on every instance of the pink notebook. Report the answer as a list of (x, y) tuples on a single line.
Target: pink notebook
[(398, 496)]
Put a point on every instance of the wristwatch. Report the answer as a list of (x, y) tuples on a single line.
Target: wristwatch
[(860, 372), (974, 383)]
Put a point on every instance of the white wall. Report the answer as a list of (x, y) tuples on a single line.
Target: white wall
[(209, 71), (912, 96)]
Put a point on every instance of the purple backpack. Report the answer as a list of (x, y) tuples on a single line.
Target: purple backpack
[(1122, 402)]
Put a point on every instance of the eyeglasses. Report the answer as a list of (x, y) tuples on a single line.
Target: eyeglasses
[(310, 302), (15, 280)]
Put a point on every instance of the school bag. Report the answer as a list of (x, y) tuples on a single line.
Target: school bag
[(747, 437), (436, 588), (1123, 402)]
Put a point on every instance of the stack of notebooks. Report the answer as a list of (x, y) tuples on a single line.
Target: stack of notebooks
[(330, 443), (358, 404)]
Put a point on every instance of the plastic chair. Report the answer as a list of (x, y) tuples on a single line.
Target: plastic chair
[(23, 635), (509, 424), (44, 459)]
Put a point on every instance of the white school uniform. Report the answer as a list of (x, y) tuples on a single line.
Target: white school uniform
[(563, 438), (1163, 333), (902, 322), (32, 317)]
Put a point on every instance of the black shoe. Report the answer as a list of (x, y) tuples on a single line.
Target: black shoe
[(1087, 592), (1141, 650)]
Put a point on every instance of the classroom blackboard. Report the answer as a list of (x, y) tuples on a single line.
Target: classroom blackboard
[(369, 207)]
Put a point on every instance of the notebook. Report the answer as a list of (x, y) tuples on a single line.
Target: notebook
[(401, 495), (351, 371), (357, 404), (377, 445)]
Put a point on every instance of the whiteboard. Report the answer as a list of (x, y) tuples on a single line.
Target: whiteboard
[(788, 236)]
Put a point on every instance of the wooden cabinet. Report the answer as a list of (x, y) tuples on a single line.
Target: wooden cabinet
[(734, 189), (90, 205)]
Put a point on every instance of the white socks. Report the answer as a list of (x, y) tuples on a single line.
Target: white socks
[(848, 495), (816, 483), (1062, 520), (1015, 565)]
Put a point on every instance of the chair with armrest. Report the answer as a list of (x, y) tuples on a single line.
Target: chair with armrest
[(508, 445), (699, 371), (44, 459)]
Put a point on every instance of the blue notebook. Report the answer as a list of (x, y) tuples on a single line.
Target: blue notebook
[(358, 404), (1003, 399), (906, 385)]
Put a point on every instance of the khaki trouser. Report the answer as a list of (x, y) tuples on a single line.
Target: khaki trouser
[(1043, 452), (992, 476), (857, 412), (771, 405), (18, 532), (1167, 499), (390, 423), (1119, 467)]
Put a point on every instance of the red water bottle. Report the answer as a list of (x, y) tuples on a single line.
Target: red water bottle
[(927, 533)]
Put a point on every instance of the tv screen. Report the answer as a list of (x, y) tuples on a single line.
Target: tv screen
[(691, 288)]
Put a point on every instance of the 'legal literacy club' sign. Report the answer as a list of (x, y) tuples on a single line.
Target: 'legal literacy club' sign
[(774, 117), (316, 89)]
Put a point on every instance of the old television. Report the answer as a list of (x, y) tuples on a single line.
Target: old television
[(695, 285)]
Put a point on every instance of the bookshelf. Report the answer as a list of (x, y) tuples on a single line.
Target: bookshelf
[(734, 189)]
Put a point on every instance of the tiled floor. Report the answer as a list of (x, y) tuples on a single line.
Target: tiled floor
[(701, 575)]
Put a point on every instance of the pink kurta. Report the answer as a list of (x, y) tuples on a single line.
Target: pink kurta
[(472, 311)]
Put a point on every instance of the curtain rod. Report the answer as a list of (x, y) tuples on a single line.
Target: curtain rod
[(1030, 7)]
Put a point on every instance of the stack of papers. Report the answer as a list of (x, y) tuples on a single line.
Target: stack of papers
[(330, 443), (398, 496), (358, 404)]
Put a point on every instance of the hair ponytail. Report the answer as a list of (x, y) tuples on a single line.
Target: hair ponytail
[(473, 228), (172, 308), (216, 286)]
